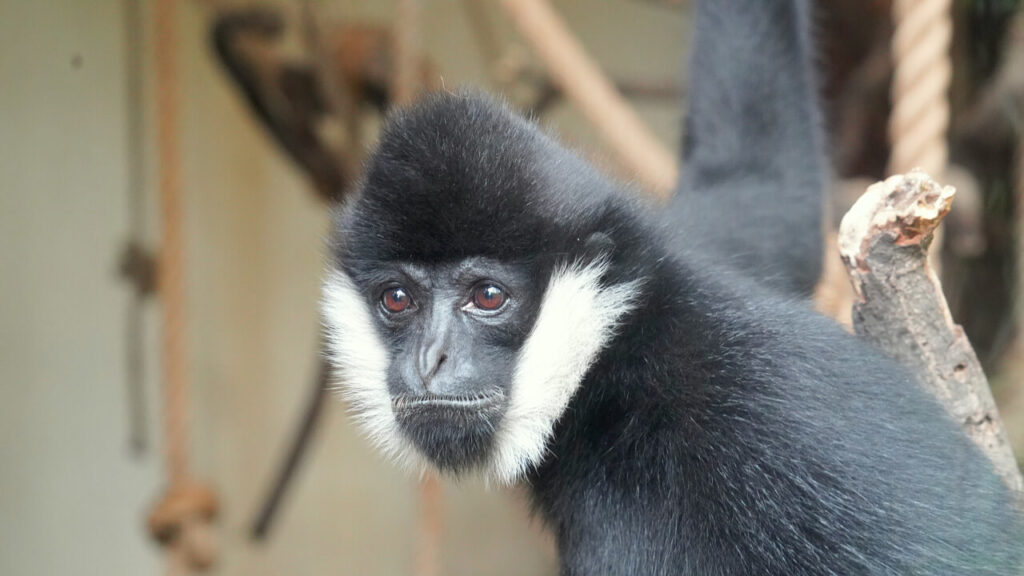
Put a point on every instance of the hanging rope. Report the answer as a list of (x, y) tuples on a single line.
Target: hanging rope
[(180, 519), (429, 528), (581, 80), (405, 80), (922, 74), (405, 86)]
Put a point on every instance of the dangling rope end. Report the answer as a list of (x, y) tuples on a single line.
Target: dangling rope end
[(181, 521)]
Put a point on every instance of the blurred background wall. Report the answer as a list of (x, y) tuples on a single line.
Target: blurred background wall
[(70, 497), (73, 499)]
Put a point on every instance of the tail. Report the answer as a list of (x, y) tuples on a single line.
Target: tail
[(754, 173)]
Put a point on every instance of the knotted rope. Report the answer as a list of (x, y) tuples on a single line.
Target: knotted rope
[(180, 519)]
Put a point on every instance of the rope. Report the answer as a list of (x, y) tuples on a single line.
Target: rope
[(405, 80), (429, 528), (583, 83), (338, 97), (179, 519), (404, 87), (922, 74), (170, 280)]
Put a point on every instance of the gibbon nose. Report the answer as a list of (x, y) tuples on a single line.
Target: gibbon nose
[(432, 355)]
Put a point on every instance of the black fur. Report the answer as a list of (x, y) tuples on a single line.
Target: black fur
[(455, 438), (727, 429), (731, 432), (753, 179)]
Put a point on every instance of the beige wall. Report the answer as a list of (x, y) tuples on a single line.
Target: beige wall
[(71, 500)]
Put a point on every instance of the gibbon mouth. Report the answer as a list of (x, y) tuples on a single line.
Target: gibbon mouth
[(455, 432), (467, 402), (482, 402)]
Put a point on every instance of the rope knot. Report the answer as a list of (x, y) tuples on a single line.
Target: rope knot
[(181, 521)]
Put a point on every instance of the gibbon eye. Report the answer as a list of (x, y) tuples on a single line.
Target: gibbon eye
[(488, 297), (395, 300)]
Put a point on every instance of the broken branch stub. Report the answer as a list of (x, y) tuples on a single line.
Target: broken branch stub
[(899, 305)]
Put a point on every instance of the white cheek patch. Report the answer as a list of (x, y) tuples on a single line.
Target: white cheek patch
[(577, 318), (361, 361)]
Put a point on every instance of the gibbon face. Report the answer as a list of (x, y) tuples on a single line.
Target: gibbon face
[(461, 315), (468, 365)]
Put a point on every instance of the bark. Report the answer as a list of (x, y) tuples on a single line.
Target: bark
[(899, 305)]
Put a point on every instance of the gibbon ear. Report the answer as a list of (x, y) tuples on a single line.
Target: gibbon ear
[(597, 246)]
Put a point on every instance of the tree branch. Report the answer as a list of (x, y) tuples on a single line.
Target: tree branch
[(899, 305)]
